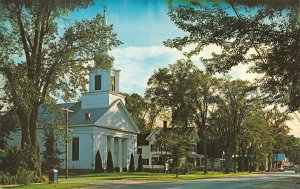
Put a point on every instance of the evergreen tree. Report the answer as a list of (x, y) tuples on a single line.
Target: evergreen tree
[(131, 165), (110, 163), (140, 167), (98, 163), (51, 153)]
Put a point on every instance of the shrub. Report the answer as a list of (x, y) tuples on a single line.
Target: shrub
[(21, 158), (41, 179), (124, 169), (117, 169), (131, 165), (51, 153), (6, 178), (140, 167), (24, 176), (98, 163), (110, 164)]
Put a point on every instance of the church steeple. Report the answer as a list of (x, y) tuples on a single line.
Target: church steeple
[(103, 82)]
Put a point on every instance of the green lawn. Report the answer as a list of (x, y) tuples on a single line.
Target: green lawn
[(153, 176)]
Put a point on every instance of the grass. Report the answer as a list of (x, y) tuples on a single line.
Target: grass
[(154, 176), (52, 186)]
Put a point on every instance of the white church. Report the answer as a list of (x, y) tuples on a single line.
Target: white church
[(99, 122)]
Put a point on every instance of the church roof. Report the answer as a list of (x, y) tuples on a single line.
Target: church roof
[(78, 117), (89, 116)]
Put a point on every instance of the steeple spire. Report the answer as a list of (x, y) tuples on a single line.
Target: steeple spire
[(104, 15)]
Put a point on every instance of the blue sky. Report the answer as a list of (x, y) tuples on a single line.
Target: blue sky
[(142, 25)]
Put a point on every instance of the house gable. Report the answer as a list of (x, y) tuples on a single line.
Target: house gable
[(117, 118)]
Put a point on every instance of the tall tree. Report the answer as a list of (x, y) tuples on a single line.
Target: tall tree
[(176, 143), (137, 107), (237, 99), (263, 34), (169, 88), (204, 95), (279, 130), (39, 61)]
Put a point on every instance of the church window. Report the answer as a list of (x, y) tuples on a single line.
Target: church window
[(97, 82), (88, 116), (145, 161), (139, 151), (75, 149), (113, 83)]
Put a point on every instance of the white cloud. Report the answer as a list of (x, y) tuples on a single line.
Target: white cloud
[(138, 64)]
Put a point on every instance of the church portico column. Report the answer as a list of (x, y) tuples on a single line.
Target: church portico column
[(112, 148), (120, 154)]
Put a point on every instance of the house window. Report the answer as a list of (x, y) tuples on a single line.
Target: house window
[(75, 149), (113, 83), (157, 161), (139, 151), (145, 161), (154, 148), (97, 82)]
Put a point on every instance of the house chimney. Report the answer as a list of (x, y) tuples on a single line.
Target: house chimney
[(165, 124)]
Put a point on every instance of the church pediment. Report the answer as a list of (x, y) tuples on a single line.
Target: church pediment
[(117, 118)]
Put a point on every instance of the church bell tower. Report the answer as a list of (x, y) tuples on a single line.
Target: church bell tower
[(103, 83)]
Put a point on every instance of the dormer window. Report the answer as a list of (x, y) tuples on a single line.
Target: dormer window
[(88, 116), (113, 83), (97, 82)]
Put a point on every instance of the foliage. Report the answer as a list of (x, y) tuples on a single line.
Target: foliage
[(6, 178), (255, 143), (51, 154), (110, 163), (21, 158), (8, 124), (131, 164), (293, 150), (263, 35), (137, 107), (169, 89), (15, 164), (24, 176), (176, 144), (237, 99), (140, 167), (98, 163)]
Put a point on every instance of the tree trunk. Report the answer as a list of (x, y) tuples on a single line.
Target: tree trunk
[(28, 125), (205, 154), (33, 134), (228, 159), (25, 139)]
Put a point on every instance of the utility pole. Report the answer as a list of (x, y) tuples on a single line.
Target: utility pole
[(66, 140)]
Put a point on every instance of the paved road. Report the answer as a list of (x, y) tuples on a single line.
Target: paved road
[(285, 180)]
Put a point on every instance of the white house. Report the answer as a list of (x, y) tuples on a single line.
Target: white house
[(152, 154)]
